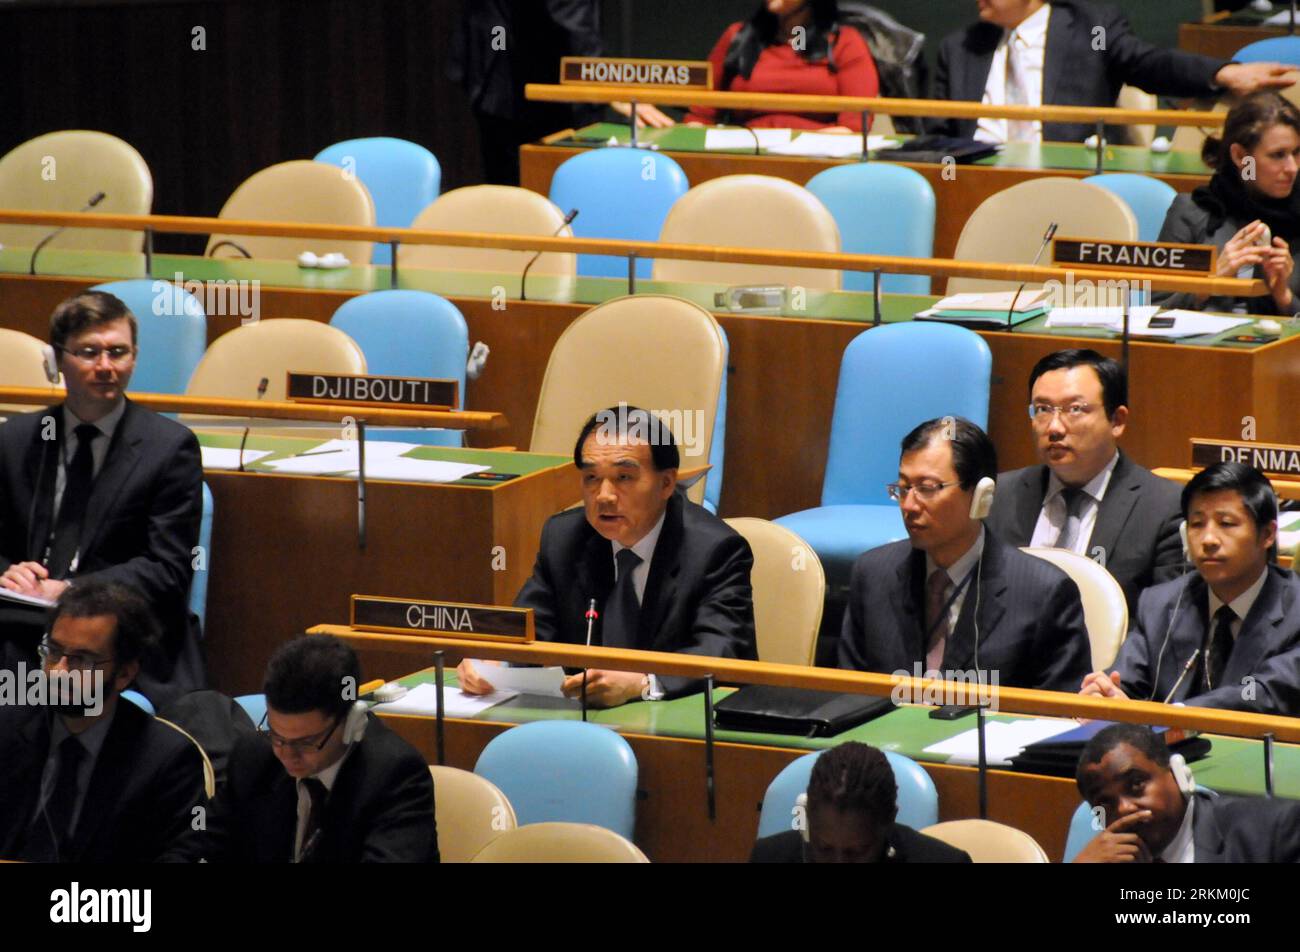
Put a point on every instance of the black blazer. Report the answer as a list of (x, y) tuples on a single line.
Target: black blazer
[(1030, 623), (141, 525), (1136, 528), (908, 845), (1246, 830), (697, 597), (1267, 648), (140, 804), (380, 809), (1074, 74)]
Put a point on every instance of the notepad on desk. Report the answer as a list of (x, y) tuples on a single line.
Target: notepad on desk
[(746, 138), (1002, 740), (222, 457), (989, 309), (423, 699), (831, 145)]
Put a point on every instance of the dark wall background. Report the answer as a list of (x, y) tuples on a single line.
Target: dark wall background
[(281, 79)]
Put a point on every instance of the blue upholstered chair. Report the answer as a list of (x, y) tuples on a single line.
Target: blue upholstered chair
[(173, 332), (402, 177), (1081, 829), (1276, 49), (254, 706), (891, 378), (199, 584), (1149, 198), (619, 193), (918, 800), (139, 700), (409, 334), (567, 771), (881, 209)]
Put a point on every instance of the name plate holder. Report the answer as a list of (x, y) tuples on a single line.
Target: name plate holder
[(636, 74), (407, 616), (1275, 460), (372, 390)]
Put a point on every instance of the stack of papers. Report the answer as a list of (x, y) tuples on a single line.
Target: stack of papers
[(423, 699), (220, 457), (1106, 318), (1002, 740), (384, 460), (831, 145), (990, 308), (1186, 323), (746, 138)]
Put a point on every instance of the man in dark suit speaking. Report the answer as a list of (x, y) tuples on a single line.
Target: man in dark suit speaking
[(1227, 635), (100, 783), (1151, 811), (1087, 496), (666, 574), (1070, 53), (324, 782), (953, 598), (98, 487)]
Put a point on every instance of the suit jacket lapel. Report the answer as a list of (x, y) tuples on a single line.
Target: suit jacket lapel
[(42, 480), (661, 583), (1115, 507), (118, 465), (1029, 501), (1187, 636), (908, 597), (1260, 632), (1207, 838), (35, 734), (595, 580), (987, 588), (1060, 24), (104, 793), (978, 65)]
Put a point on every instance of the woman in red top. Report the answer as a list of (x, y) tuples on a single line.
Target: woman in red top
[(792, 46)]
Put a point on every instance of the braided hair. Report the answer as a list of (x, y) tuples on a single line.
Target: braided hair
[(854, 777)]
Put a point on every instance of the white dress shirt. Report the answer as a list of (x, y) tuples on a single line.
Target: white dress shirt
[(1240, 605), (645, 548), (1031, 37), (1051, 518), (1181, 848), (958, 571)]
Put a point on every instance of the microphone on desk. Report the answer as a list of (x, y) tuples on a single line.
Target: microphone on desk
[(1186, 668), (261, 392), (523, 278), (94, 200), (1047, 237), (591, 616)]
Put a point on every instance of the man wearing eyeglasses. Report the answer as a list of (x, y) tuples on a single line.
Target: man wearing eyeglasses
[(1087, 496), (98, 487), (322, 781), (87, 776), (952, 598)]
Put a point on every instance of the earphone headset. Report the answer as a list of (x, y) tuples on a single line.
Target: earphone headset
[(981, 501), (50, 360), (1173, 617), (355, 726), (1182, 774)]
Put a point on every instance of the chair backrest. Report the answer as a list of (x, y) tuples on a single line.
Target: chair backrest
[(139, 700), (209, 775), (877, 401), (1192, 138), (750, 211), (789, 591), (1130, 97), (568, 771), (989, 842), (298, 191), (238, 359), (409, 334), (22, 363), (918, 800), (503, 209), (173, 332), (1008, 226), (59, 172), (1275, 49), (402, 178), (676, 362), (471, 811), (619, 193), (199, 583), (254, 706), (1105, 611), (560, 843), (881, 209), (1148, 198)]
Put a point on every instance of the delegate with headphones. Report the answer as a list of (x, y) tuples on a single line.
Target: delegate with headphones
[(1228, 634), (953, 598), (323, 781), (1147, 808)]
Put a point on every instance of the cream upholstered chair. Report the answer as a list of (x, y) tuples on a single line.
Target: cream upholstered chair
[(59, 172), (1008, 226), (1192, 138), (471, 812), (988, 842), (560, 843), (1130, 97), (22, 364), (297, 191), (486, 209), (1105, 611), (750, 211), (236, 361), (209, 774), (789, 591), (673, 361)]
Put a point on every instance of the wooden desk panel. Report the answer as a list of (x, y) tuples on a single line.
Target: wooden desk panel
[(1222, 41)]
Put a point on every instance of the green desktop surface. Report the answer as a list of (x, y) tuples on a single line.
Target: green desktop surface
[(281, 447), (1234, 765), (1068, 156)]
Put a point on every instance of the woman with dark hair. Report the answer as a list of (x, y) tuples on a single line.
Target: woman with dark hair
[(1249, 209), (791, 46)]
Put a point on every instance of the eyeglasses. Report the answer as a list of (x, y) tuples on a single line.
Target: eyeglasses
[(300, 745), (89, 354), (1042, 413), (898, 492), (52, 654)]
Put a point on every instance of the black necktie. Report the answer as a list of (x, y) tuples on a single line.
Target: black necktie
[(623, 610), (1070, 528), (52, 828), (1220, 647), (315, 818), (72, 506)]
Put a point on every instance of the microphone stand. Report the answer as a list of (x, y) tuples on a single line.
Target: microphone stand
[(523, 278), (31, 265), (592, 615), (1047, 237)]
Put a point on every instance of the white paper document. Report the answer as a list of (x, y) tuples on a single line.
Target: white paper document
[(35, 601), (409, 469), (1002, 740), (339, 457), (1107, 318), (221, 457), (544, 682), (1188, 324), (744, 138), (423, 699), (831, 145)]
